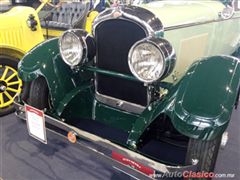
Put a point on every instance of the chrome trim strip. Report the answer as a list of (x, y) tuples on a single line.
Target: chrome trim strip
[(125, 16), (169, 28), (119, 104)]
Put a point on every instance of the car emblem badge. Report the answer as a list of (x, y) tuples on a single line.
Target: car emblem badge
[(117, 14)]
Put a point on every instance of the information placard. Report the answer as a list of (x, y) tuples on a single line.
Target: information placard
[(36, 123)]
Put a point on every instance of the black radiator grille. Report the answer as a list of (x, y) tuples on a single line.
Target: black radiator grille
[(114, 39)]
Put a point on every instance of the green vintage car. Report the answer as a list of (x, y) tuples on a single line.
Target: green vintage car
[(152, 88)]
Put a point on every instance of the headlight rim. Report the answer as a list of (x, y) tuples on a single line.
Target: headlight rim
[(149, 41), (81, 36)]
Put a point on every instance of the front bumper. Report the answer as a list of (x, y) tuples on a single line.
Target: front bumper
[(106, 151)]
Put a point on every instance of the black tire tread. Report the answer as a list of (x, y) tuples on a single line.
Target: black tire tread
[(205, 151), (38, 95), (25, 91), (7, 110)]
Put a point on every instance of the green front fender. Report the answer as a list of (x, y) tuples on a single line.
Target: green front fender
[(36, 63), (44, 60), (206, 97), (201, 104)]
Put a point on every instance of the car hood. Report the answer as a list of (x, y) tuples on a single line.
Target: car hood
[(173, 13)]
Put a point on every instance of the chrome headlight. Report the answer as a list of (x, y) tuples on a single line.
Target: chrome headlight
[(73, 47), (151, 59)]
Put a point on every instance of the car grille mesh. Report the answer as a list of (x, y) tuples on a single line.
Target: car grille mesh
[(114, 38)]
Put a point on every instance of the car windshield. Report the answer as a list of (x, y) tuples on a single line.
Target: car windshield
[(45, 11), (6, 5)]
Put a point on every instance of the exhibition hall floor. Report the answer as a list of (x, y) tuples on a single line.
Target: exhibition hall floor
[(24, 158)]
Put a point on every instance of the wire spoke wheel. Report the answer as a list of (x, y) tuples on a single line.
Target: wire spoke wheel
[(10, 85)]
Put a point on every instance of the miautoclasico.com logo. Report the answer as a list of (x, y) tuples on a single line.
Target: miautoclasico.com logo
[(192, 174)]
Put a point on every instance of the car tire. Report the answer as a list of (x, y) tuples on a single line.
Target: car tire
[(38, 94), (11, 62), (25, 91), (238, 99), (205, 151)]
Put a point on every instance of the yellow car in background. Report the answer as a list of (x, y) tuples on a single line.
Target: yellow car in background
[(23, 27)]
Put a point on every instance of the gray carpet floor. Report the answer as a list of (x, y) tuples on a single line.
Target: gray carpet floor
[(23, 158)]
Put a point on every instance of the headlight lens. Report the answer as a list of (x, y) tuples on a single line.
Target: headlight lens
[(72, 48), (146, 62), (151, 59)]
